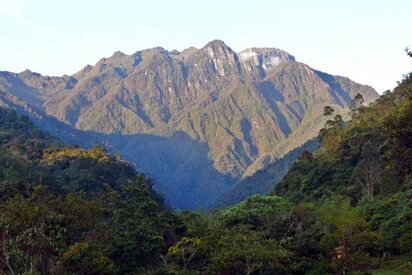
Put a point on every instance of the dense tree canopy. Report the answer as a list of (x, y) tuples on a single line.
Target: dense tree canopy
[(67, 210)]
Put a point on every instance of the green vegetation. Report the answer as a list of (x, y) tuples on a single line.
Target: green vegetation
[(369, 158), (347, 209), (263, 181), (67, 210)]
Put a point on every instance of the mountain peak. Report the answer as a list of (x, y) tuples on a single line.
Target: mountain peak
[(223, 58), (216, 42), (118, 54), (217, 47), (266, 58), (234, 111), (29, 73), (26, 71)]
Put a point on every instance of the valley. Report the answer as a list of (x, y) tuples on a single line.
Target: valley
[(197, 122)]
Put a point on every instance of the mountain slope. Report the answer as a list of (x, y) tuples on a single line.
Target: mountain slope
[(263, 181), (205, 118), (368, 158), (66, 210), (345, 209)]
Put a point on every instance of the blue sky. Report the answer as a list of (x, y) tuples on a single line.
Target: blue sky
[(363, 40)]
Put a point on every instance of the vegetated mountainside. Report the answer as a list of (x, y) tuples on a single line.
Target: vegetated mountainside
[(263, 181), (65, 210), (368, 163), (51, 222), (368, 157), (203, 118), (347, 209)]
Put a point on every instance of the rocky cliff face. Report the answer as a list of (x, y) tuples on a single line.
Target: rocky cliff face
[(196, 121)]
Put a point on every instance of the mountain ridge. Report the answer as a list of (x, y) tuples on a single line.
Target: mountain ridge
[(247, 109)]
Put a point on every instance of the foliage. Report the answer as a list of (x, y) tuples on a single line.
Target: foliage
[(360, 180), (67, 210)]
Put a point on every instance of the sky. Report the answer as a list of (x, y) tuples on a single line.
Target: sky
[(363, 39)]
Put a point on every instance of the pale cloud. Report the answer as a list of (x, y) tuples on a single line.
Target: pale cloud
[(11, 7)]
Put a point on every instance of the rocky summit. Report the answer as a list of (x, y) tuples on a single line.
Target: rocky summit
[(196, 121)]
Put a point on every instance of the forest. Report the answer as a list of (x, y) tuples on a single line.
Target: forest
[(346, 209)]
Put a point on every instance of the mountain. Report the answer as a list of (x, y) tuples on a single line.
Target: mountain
[(202, 118), (368, 158), (345, 209)]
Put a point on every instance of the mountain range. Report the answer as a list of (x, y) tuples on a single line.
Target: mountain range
[(198, 122)]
